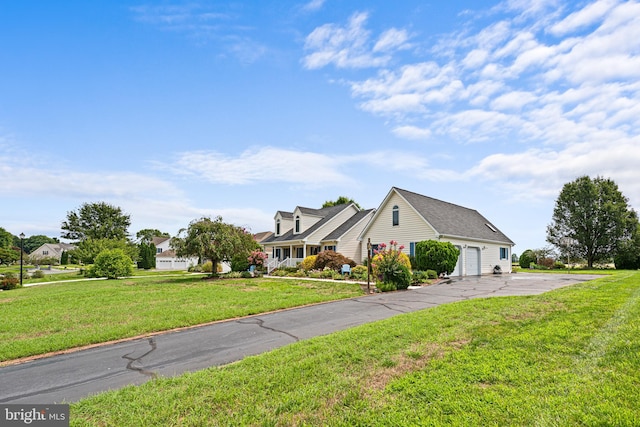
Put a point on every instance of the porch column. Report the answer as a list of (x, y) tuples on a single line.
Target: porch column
[(304, 250)]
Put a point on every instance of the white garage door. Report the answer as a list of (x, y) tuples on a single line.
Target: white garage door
[(473, 261)]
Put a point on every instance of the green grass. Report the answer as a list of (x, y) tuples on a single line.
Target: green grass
[(58, 316), (569, 357)]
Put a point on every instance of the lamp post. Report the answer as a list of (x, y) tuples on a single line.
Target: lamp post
[(21, 255), (368, 263)]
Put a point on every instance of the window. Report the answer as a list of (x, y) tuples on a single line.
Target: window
[(297, 223), (158, 250), (330, 248), (45, 252), (395, 216), (412, 248), (504, 253), (299, 252), (277, 227)]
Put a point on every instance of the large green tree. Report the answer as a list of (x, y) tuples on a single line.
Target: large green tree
[(96, 221), (595, 216), (87, 250), (214, 240)]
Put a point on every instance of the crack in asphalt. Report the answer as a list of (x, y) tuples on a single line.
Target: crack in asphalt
[(383, 305), (132, 360), (260, 323)]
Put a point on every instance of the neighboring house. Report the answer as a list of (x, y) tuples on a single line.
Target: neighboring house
[(259, 237), (408, 217), (307, 231), (166, 258), (50, 251)]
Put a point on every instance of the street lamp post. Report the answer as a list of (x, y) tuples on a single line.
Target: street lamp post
[(368, 264), (21, 255)]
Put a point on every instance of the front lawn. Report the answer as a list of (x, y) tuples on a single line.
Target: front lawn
[(59, 316), (568, 357)]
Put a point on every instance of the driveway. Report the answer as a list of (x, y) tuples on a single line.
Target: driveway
[(70, 377)]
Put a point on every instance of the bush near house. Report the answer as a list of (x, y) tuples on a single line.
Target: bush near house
[(391, 267), (332, 260), (434, 255), (112, 264), (309, 262)]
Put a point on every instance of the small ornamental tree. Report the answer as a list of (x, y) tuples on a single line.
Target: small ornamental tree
[(112, 263), (257, 258), (527, 258), (391, 267), (332, 260), (441, 257)]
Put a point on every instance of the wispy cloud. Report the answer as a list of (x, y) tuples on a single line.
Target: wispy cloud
[(564, 83), (313, 5), (351, 45)]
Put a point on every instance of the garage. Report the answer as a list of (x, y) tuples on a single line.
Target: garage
[(472, 261)]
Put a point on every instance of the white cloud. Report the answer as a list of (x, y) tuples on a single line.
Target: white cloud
[(351, 46), (590, 15), (412, 132), (313, 5)]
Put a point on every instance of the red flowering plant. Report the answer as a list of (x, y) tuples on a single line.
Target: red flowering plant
[(391, 267)]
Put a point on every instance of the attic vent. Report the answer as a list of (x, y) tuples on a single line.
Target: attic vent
[(492, 228)]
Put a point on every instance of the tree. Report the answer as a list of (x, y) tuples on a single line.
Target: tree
[(6, 239), (434, 255), (146, 235), (112, 263), (146, 255), (214, 240), (8, 256), (87, 250), (527, 257), (342, 200), (628, 255), (96, 221), (595, 214)]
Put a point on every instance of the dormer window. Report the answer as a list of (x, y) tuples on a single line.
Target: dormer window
[(395, 215), (297, 223), (277, 227)]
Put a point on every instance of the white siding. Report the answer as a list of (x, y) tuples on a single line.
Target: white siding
[(329, 226), (411, 228), (350, 246)]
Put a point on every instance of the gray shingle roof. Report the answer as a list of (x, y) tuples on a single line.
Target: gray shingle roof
[(453, 220), (326, 213), (347, 225)]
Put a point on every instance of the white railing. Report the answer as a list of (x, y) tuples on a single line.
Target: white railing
[(289, 262)]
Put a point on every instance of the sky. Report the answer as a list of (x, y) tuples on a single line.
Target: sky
[(177, 110)]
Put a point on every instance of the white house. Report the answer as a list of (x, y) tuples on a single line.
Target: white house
[(166, 258), (49, 251), (307, 231), (408, 217)]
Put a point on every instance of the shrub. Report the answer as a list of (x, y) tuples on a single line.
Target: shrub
[(245, 275), (434, 255), (257, 258), (419, 277), (239, 262), (309, 262), (9, 282), (233, 275), (112, 263), (559, 265), (359, 272), (278, 272), (432, 274), (527, 258), (386, 287), (38, 274), (392, 266), (546, 262), (332, 260)]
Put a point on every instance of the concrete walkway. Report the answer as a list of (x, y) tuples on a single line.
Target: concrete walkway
[(70, 377)]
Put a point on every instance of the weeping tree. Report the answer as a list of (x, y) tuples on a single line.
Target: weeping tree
[(214, 240), (595, 216)]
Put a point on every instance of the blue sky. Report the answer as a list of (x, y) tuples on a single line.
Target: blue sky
[(178, 110)]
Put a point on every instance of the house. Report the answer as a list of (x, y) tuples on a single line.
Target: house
[(49, 251), (408, 217), (307, 231), (166, 258)]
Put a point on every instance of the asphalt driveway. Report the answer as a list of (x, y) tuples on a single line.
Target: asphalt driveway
[(70, 377)]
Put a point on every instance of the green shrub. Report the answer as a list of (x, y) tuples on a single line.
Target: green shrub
[(38, 274), (297, 273), (527, 258), (559, 265), (386, 287), (207, 267), (432, 274), (239, 263), (434, 255), (234, 275), (419, 277), (246, 275), (278, 272), (112, 263), (359, 272)]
